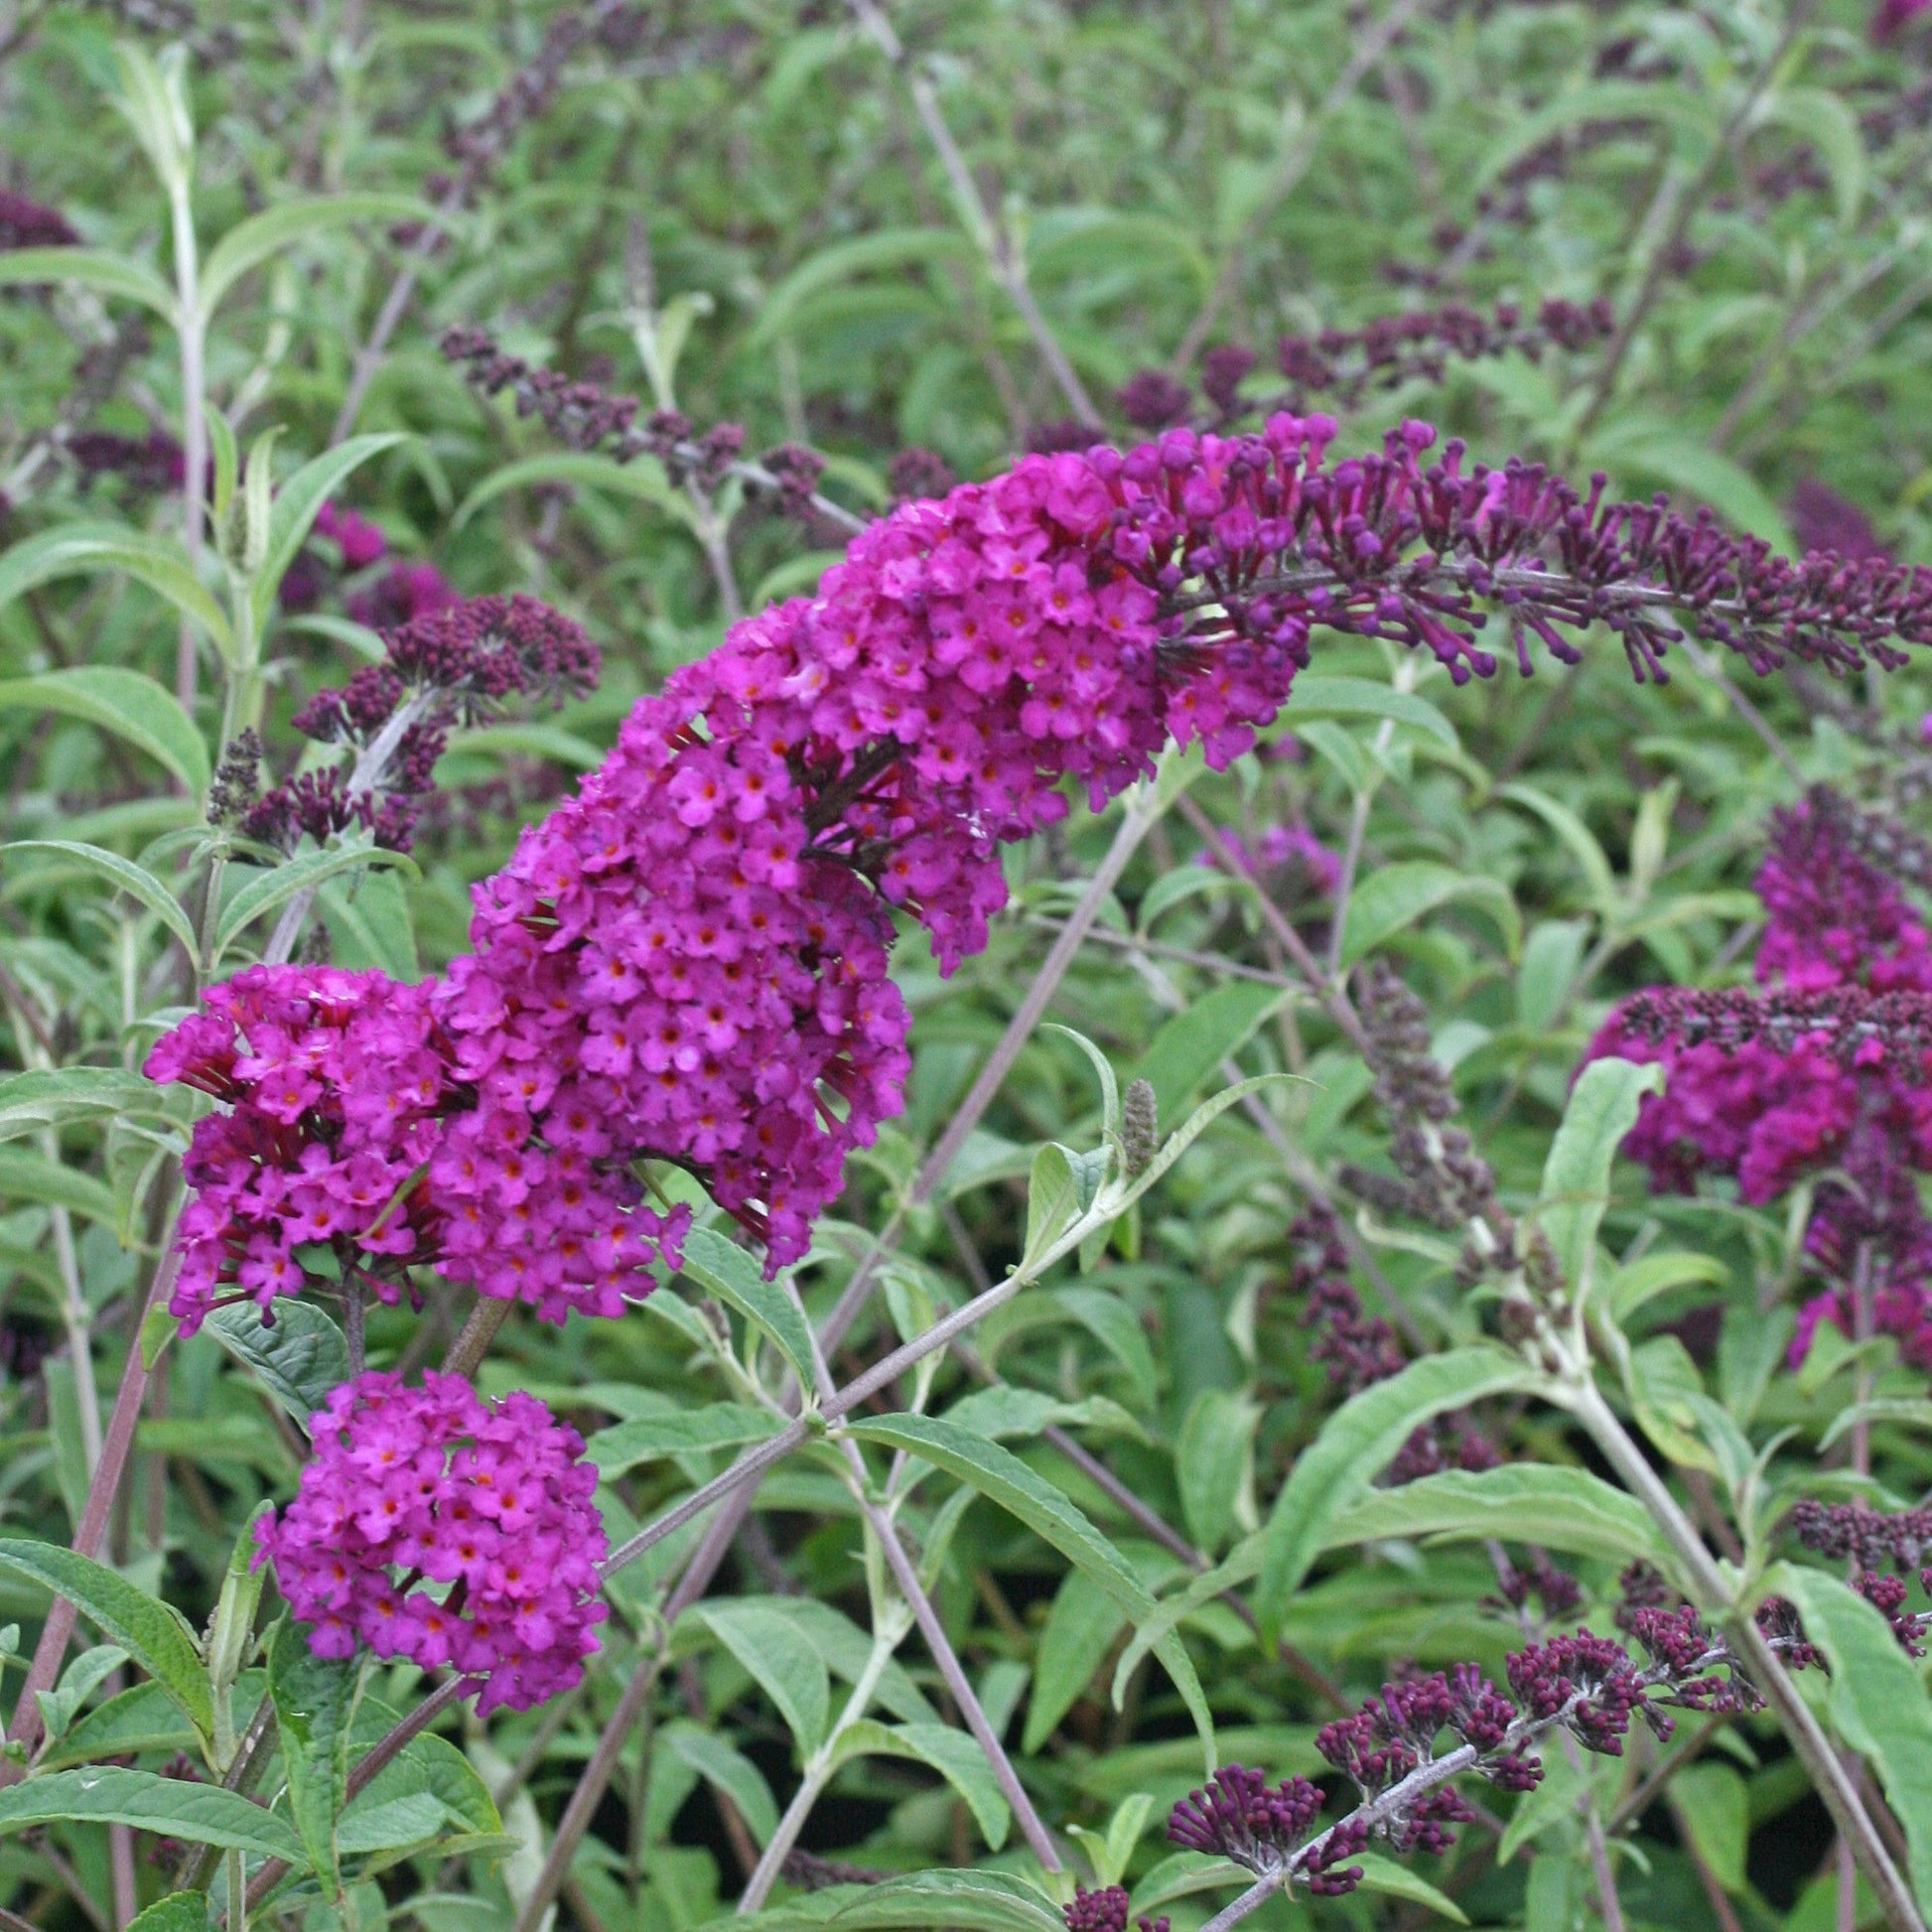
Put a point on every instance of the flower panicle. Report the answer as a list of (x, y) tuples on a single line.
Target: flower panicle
[(439, 670), (435, 1526), (687, 961), (1402, 1748)]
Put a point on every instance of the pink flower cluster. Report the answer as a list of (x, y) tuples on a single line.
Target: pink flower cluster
[(485, 1510), (348, 1129), (333, 1080), (1770, 1116)]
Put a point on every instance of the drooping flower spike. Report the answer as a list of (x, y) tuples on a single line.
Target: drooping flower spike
[(687, 961)]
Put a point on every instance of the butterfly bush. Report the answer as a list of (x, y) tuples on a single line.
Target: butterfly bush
[(1771, 1112), (687, 960), (483, 1508)]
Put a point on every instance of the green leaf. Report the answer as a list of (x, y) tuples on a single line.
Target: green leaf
[(371, 926), (883, 248), (1393, 897), (1398, 1882), (1059, 1190), (29, 1176), (1648, 451), (997, 1474), (314, 1698), (1103, 1069), (1652, 1275), (296, 505), (1877, 1702), (300, 1360), (261, 237), (427, 1763), (204, 1814), (1713, 1801), (132, 707), (1602, 1109), (1581, 841), (145, 1718), (78, 1681), (1080, 1630), (780, 1660), (1907, 1411), (1537, 1503), (731, 1275), (1554, 1800), (1665, 1386), (1190, 1047), (715, 1759), (390, 1823), (972, 1901), (677, 1432), (641, 479), (155, 1634), (952, 1753), (135, 881), (1356, 1443), (32, 1101), (179, 1912), (273, 888), (92, 269), (1315, 696), (84, 549), (1214, 1463)]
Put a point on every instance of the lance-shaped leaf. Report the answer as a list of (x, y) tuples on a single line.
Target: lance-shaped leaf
[(88, 549), (92, 269), (105, 1794), (124, 875), (262, 236), (952, 1753), (1000, 1476), (155, 1634), (1877, 1702), (271, 889), (134, 708), (1356, 1443), (297, 503), (780, 1661), (731, 1275), (315, 1698), (1577, 1175)]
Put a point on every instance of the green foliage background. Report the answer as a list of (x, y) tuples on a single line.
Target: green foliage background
[(746, 198)]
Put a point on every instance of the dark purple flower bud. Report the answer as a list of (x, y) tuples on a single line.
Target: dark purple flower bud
[(1152, 399), (1222, 370), (1240, 1816), (1062, 433), (26, 224), (917, 474), (1589, 1684), (152, 464), (1822, 519)]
